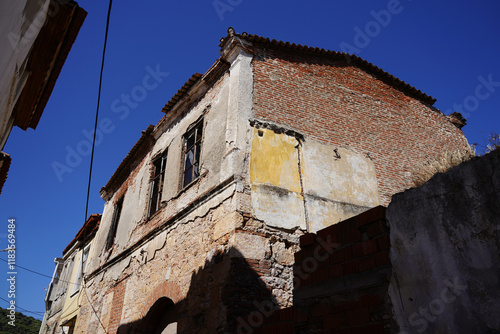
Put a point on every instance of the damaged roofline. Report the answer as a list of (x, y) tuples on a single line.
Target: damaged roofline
[(198, 84), (188, 93), (246, 41), (195, 83), (121, 172), (84, 233)]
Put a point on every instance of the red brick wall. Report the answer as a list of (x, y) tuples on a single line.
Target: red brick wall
[(357, 246), (117, 306), (164, 289), (342, 105), (341, 281), (352, 246)]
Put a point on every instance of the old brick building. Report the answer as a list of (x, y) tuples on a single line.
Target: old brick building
[(203, 217)]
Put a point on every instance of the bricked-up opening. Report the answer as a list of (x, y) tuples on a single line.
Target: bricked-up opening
[(192, 149), (341, 280), (157, 183), (114, 223)]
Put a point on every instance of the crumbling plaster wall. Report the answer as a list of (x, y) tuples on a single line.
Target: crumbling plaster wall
[(183, 251), (208, 217), (226, 107), (172, 255), (445, 253), (306, 184), (134, 223)]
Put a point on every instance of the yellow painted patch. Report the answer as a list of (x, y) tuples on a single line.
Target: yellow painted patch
[(274, 160)]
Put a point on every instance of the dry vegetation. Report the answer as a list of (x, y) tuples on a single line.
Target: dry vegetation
[(493, 142)]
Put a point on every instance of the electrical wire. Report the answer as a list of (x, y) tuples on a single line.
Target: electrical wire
[(90, 173), (60, 280), (90, 169), (97, 111), (92, 156), (36, 272), (25, 310), (93, 309)]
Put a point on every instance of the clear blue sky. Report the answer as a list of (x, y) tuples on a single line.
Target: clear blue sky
[(444, 48)]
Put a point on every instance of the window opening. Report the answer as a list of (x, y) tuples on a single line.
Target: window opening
[(159, 166), (114, 223), (81, 268), (192, 149)]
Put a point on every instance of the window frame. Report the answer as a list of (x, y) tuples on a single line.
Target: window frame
[(65, 276), (197, 129), (157, 182), (79, 274), (114, 223)]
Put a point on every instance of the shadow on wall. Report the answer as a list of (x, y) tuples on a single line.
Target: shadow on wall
[(225, 291)]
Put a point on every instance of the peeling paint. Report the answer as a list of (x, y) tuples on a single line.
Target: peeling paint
[(307, 185), (350, 179), (278, 207), (274, 160)]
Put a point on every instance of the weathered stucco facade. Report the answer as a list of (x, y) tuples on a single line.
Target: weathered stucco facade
[(203, 217)]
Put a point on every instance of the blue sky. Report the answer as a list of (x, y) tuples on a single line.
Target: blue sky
[(447, 49)]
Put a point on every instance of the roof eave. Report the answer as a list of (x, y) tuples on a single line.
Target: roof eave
[(47, 58), (86, 232), (121, 173)]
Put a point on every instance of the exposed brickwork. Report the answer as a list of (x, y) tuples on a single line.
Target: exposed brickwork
[(260, 267), (164, 289), (278, 322), (355, 245), (207, 278), (117, 306), (338, 286), (332, 102)]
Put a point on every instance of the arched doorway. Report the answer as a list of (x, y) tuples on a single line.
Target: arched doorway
[(161, 318)]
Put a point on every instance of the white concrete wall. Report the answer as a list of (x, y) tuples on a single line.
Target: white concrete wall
[(445, 251), (338, 184)]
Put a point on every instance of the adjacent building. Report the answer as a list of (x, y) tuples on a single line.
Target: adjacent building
[(35, 39), (203, 217), (65, 292)]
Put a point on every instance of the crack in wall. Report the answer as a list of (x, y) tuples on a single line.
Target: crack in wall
[(301, 178), (178, 217)]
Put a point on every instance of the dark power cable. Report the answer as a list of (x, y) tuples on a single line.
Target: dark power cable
[(92, 154), (97, 112)]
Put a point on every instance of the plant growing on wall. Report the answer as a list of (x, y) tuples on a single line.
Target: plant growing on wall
[(493, 142)]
